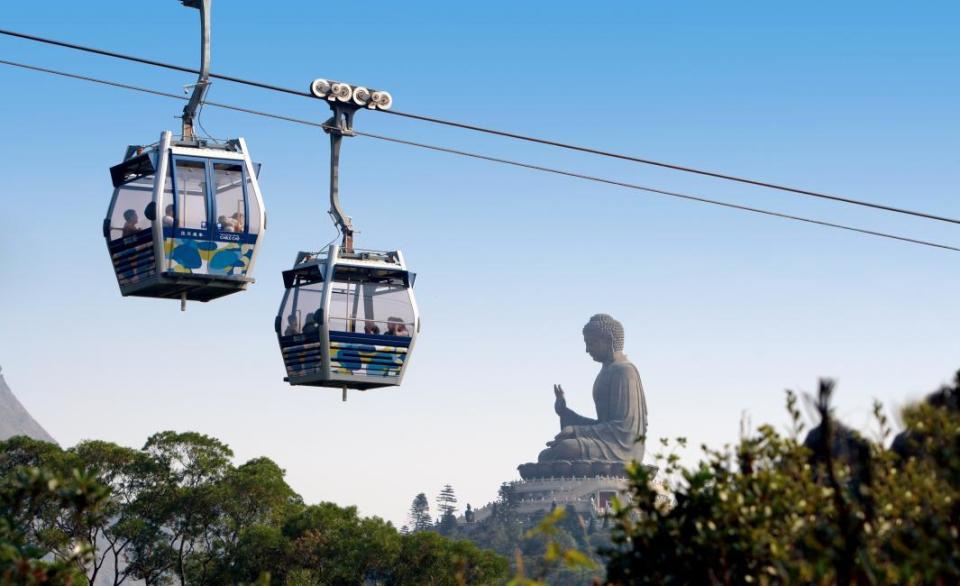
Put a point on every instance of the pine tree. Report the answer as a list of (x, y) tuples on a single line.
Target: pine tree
[(420, 519), (447, 510), (447, 502)]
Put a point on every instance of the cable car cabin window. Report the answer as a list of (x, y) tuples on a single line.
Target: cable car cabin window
[(129, 211), (371, 308), (301, 310), (229, 187), (191, 185), (253, 205)]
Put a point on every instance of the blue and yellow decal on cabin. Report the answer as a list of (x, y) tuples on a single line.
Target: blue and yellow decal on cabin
[(366, 359), (186, 255)]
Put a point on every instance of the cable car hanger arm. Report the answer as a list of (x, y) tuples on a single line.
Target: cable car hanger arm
[(203, 79), (340, 218)]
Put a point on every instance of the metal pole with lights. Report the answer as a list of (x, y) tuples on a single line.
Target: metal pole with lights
[(344, 100)]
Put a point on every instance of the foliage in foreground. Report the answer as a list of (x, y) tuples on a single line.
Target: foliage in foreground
[(22, 498), (837, 508), (178, 511)]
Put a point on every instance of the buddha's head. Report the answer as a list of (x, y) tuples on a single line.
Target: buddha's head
[(603, 337)]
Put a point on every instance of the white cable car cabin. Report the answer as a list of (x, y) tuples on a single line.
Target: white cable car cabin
[(185, 220), (348, 319)]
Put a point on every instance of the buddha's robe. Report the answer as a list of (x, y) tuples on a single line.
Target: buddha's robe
[(621, 416)]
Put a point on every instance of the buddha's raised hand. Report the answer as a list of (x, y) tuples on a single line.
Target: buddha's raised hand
[(560, 405)]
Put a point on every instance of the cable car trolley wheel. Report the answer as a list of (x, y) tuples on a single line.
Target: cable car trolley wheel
[(185, 220), (348, 319)]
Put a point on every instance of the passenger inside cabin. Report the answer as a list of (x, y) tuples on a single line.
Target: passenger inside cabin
[(370, 328), (396, 327), (130, 226), (168, 216), (238, 221), (226, 224), (293, 328), (311, 326)]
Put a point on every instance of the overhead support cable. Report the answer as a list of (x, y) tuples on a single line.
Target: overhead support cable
[(655, 190), (511, 135), (153, 62), (676, 167), (520, 164)]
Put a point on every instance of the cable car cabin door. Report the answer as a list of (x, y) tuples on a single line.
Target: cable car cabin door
[(368, 325), (207, 231)]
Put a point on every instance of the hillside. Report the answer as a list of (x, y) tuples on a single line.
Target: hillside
[(15, 419)]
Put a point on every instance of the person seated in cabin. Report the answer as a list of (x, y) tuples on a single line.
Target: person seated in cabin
[(226, 224), (396, 327), (239, 221), (310, 327), (130, 223), (293, 328), (168, 216), (370, 328)]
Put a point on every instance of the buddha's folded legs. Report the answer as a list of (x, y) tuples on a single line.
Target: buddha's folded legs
[(566, 449)]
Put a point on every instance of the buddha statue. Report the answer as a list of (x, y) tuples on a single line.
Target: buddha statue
[(615, 435)]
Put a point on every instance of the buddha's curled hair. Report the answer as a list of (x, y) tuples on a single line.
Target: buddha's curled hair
[(607, 326)]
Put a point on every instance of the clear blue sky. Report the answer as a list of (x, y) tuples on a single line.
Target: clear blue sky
[(723, 310)]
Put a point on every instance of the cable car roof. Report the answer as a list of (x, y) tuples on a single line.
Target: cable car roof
[(131, 169), (314, 273), (371, 266), (139, 161)]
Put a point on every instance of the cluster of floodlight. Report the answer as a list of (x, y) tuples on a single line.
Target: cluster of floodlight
[(343, 92)]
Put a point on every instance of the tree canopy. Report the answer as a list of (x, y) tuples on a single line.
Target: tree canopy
[(834, 508), (179, 511)]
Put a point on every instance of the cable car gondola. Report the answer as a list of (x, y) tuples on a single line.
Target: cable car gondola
[(348, 318), (186, 215)]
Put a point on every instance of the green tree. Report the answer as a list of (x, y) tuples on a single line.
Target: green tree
[(336, 546), (255, 502), (260, 550), (48, 526), (429, 558), (27, 493), (111, 534), (447, 509), (184, 498), (420, 519), (550, 555), (505, 528)]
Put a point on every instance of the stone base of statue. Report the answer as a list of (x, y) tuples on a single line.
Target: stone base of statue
[(574, 468), (588, 487), (589, 495)]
